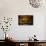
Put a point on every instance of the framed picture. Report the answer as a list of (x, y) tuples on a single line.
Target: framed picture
[(25, 20)]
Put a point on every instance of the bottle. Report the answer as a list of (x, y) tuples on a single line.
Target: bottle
[(30, 39)]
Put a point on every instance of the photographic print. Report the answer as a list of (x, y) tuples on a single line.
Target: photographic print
[(25, 19)]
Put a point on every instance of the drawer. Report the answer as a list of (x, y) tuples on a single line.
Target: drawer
[(42, 44)]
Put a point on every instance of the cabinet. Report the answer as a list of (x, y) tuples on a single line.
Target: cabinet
[(21, 44), (42, 44), (37, 44)]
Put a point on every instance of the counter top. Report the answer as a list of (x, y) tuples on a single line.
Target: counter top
[(12, 40), (42, 41), (2, 40), (39, 41)]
